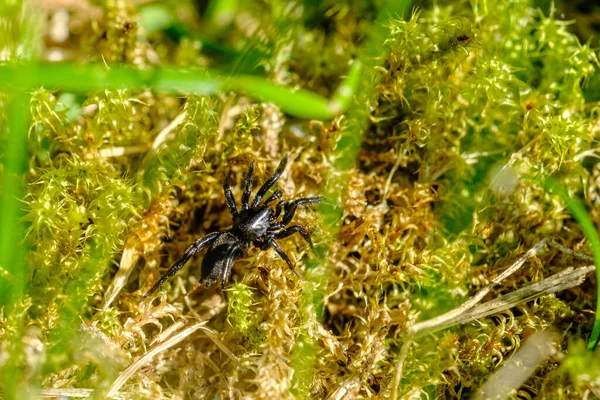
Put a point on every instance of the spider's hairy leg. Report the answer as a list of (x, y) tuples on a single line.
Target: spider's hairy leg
[(226, 273), (290, 210), (276, 195), (270, 182), (189, 252), (283, 256), (229, 195), (248, 189), (293, 229)]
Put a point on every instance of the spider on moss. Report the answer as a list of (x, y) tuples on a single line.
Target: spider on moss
[(256, 223)]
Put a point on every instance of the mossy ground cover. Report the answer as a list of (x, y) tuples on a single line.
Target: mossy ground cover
[(431, 131)]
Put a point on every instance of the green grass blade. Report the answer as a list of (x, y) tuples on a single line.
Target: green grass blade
[(589, 229), (13, 268), (301, 103), (90, 77), (345, 92)]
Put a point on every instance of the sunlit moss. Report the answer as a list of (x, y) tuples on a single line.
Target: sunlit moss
[(475, 103), (172, 157), (242, 316), (580, 368)]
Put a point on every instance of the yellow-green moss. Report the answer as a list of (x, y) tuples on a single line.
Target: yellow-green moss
[(475, 102)]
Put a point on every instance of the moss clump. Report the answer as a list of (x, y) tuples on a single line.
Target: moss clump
[(470, 106), (241, 315)]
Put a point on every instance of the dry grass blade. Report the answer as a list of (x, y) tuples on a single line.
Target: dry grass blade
[(347, 389), (162, 136), (212, 336), (128, 373), (509, 377), (565, 279), (128, 261), (122, 151), (65, 392), (467, 305), (177, 325), (71, 393), (573, 253)]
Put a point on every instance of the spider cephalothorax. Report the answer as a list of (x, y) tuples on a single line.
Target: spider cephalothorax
[(256, 223)]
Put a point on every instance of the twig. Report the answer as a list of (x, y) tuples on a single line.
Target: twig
[(570, 252), (566, 279), (452, 314)]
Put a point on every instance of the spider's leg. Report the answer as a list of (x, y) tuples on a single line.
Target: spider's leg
[(270, 182), (283, 256), (290, 209), (226, 273), (273, 197), (248, 189), (263, 243), (293, 229), (280, 207), (229, 195), (189, 252)]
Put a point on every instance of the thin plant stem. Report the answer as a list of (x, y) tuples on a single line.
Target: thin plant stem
[(587, 226)]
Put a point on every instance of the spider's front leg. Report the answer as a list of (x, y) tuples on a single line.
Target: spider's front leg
[(293, 229), (270, 182), (290, 210), (229, 195), (248, 189), (276, 195), (189, 252)]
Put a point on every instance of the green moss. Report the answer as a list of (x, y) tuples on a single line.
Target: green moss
[(580, 368), (242, 316), (172, 158), (464, 107)]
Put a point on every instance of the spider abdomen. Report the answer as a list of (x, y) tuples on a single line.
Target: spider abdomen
[(221, 252)]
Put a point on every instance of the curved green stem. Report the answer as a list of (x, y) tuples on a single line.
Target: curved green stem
[(589, 229)]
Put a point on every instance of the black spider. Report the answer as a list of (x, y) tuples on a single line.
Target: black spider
[(256, 223)]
